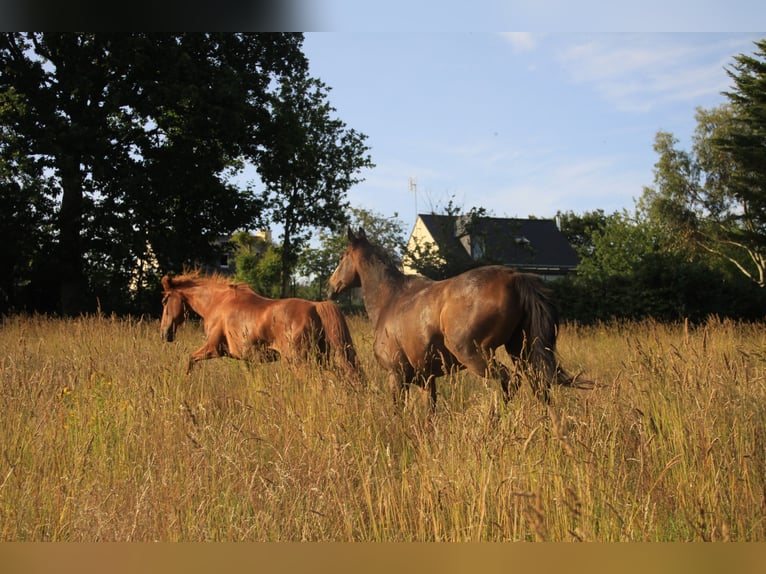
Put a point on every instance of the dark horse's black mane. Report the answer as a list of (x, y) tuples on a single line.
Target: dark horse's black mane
[(388, 261), (384, 256)]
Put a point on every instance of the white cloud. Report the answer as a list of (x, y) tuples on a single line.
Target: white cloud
[(639, 73), (521, 41)]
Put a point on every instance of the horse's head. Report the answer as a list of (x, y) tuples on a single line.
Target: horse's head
[(346, 274), (173, 310)]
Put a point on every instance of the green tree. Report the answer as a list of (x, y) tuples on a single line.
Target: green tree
[(580, 229), (619, 248), (632, 266), (258, 263), (308, 162), (618, 253), (141, 133), (713, 196)]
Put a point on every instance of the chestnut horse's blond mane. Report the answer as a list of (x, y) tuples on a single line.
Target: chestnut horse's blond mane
[(196, 276)]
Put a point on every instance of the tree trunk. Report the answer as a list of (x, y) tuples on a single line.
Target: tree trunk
[(286, 255), (69, 263)]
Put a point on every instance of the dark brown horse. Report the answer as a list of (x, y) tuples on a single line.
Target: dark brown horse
[(241, 324), (424, 328)]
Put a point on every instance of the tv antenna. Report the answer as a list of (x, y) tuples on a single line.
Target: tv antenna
[(414, 190)]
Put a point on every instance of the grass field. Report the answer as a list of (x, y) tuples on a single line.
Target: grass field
[(104, 437)]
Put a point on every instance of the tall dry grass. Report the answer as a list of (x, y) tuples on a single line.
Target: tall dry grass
[(103, 437)]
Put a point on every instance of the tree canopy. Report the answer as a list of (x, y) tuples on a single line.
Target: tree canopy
[(121, 157), (121, 149), (308, 162), (713, 196)]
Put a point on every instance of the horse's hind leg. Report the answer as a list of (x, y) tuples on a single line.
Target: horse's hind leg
[(516, 349), (540, 385), (510, 381), (481, 362)]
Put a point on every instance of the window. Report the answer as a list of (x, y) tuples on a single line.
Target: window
[(478, 247)]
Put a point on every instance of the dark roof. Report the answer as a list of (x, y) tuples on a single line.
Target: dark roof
[(523, 243)]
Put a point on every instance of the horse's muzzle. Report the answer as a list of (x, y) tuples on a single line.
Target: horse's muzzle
[(168, 335), (334, 290)]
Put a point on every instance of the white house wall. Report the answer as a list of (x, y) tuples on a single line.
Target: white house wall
[(419, 236)]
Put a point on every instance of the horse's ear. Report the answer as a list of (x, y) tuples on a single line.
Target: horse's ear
[(354, 237), (166, 282)]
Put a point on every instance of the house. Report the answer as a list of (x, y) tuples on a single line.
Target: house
[(532, 245)]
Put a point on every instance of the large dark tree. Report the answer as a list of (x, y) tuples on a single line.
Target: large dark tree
[(26, 214), (138, 134)]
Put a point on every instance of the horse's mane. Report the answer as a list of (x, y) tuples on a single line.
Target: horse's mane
[(383, 256), (392, 267), (195, 277)]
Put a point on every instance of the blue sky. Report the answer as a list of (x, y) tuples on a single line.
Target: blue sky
[(548, 15), (518, 123)]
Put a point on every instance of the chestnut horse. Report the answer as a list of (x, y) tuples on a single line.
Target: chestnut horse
[(424, 328), (241, 324)]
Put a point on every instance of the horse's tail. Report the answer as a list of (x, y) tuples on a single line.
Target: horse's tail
[(540, 323), (337, 332)]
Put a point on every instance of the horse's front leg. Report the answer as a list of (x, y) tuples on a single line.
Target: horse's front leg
[(396, 388), (210, 350), (428, 383), (203, 353), (424, 387)]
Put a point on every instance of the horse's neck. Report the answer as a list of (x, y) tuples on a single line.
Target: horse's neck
[(380, 285), (202, 297)]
